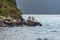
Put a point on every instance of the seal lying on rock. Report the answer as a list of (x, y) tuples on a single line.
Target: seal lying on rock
[(31, 21)]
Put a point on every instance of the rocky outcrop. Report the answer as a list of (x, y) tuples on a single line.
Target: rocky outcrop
[(9, 13), (14, 2), (9, 22), (9, 8)]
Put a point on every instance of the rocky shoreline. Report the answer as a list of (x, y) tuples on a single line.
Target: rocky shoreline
[(9, 21), (10, 15)]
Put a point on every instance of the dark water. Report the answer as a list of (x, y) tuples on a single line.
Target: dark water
[(39, 6)]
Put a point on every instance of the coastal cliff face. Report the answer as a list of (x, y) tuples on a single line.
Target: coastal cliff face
[(9, 8), (9, 13)]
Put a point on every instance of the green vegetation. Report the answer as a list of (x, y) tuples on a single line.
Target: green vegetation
[(9, 8)]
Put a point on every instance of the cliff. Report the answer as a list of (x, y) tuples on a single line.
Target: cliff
[(9, 8), (10, 15)]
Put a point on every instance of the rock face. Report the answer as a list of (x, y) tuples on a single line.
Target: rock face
[(9, 13), (15, 2), (9, 8)]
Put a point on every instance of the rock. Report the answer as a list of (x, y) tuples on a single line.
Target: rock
[(2, 24), (45, 39), (10, 15), (14, 2), (39, 39), (5, 6), (31, 23), (0, 5)]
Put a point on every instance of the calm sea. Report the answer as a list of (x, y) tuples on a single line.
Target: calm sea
[(49, 30)]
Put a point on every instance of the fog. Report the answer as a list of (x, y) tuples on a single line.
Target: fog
[(39, 6)]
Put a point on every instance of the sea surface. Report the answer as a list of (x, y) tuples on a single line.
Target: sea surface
[(49, 31)]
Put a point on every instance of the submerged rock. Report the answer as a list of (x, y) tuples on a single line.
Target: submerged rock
[(39, 39), (45, 38)]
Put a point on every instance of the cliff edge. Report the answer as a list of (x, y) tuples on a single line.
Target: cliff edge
[(9, 13), (9, 8)]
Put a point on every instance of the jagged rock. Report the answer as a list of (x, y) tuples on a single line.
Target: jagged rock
[(31, 23), (9, 13)]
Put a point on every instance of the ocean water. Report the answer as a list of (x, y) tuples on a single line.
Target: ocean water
[(49, 31)]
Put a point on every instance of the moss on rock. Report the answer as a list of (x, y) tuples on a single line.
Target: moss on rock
[(9, 8)]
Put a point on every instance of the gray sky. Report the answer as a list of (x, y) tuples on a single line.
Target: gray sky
[(39, 6)]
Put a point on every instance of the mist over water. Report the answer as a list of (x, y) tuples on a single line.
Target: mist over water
[(39, 6)]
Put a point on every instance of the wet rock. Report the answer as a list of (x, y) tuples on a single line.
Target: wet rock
[(2, 24)]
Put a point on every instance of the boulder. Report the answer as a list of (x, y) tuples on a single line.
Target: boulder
[(31, 23)]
